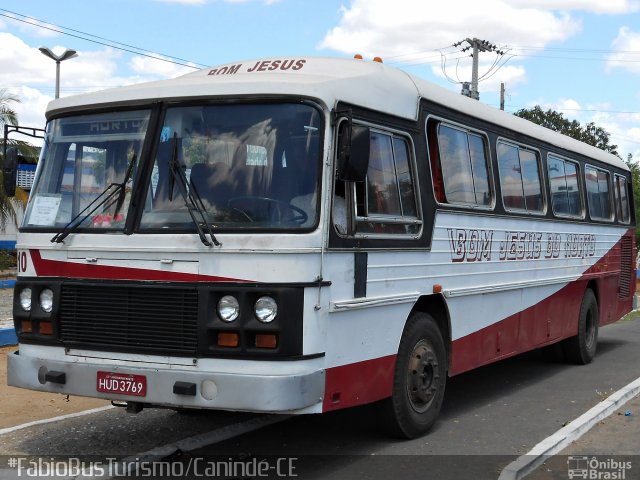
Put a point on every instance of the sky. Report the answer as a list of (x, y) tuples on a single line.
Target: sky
[(580, 57)]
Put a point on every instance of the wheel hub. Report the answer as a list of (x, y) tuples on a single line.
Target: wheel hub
[(422, 376)]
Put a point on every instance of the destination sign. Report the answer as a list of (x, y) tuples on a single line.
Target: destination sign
[(107, 127)]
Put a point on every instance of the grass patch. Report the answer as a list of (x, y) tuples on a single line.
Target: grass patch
[(630, 316), (7, 259)]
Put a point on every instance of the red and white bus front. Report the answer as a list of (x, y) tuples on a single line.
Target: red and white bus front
[(169, 254)]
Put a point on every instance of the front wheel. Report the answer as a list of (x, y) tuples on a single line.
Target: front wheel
[(581, 348), (420, 377)]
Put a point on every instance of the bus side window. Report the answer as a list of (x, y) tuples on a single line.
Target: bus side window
[(622, 199), (564, 186), (459, 165), (385, 203), (339, 208), (434, 158), (383, 197), (520, 178), (598, 195)]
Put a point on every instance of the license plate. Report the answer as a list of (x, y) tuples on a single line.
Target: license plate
[(122, 383)]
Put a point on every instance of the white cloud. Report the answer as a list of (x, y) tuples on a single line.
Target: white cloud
[(631, 141), (31, 26), (265, 2), (154, 69), (380, 27), (184, 2), (510, 75), (31, 108), (570, 107), (625, 43), (610, 7), (620, 126), (31, 76), (204, 2)]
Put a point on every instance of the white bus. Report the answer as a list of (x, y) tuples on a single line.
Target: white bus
[(301, 235)]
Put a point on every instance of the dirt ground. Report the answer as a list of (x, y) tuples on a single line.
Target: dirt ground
[(18, 406)]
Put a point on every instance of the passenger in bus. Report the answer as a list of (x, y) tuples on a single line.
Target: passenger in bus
[(306, 189), (211, 183), (221, 148), (339, 209)]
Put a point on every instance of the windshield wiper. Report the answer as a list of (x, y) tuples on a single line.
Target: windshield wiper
[(106, 197), (123, 190), (191, 198)]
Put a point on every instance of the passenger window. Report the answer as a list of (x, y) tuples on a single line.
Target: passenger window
[(520, 178), (383, 194), (563, 182), (385, 203), (405, 181), (463, 166), (598, 195), (622, 199)]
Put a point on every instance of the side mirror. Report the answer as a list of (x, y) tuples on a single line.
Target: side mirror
[(353, 152), (9, 171)]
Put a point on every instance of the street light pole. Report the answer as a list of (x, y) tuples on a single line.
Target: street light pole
[(58, 58)]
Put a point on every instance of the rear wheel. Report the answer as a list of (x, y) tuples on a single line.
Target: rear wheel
[(419, 379), (581, 348)]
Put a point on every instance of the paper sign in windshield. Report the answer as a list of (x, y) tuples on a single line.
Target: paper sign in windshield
[(45, 210), (256, 155)]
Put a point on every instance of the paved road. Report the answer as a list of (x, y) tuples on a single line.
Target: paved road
[(491, 416)]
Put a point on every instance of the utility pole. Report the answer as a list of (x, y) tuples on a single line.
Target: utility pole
[(501, 95), (476, 46)]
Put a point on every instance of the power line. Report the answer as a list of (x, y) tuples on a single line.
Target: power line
[(99, 40), (476, 46), (593, 110), (576, 50), (616, 56)]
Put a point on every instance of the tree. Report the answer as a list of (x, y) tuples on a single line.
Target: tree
[(635, 179), (590, 133), (8, 116)]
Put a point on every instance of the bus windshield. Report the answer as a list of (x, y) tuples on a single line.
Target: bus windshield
[(244, 166), (86, 158), (239, 165)]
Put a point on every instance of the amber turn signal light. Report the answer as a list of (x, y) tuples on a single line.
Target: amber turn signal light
[(46, 328), (228, 339), (266, 340)]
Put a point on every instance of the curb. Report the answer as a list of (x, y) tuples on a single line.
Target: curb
[(557, 442), (10, 283), (8, 337), (44, 421)]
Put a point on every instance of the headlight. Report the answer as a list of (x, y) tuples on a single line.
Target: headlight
[(46, 300), (228, 308), (25, 299), (266, 309)]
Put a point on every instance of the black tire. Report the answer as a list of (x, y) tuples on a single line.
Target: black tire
[(420, 377), (581, 348)]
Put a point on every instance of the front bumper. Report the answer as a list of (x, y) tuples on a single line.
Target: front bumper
[(297, 389)]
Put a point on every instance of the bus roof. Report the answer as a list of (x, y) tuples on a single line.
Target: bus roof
[(371, 85)]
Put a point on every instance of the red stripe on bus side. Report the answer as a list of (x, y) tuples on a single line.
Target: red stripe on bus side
[(358, 383), (549, 321), (56, 268)]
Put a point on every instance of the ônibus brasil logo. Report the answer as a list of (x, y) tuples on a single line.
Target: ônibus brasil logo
[(593, 468)]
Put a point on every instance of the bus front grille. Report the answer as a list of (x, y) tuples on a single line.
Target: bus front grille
[(128, 318)]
